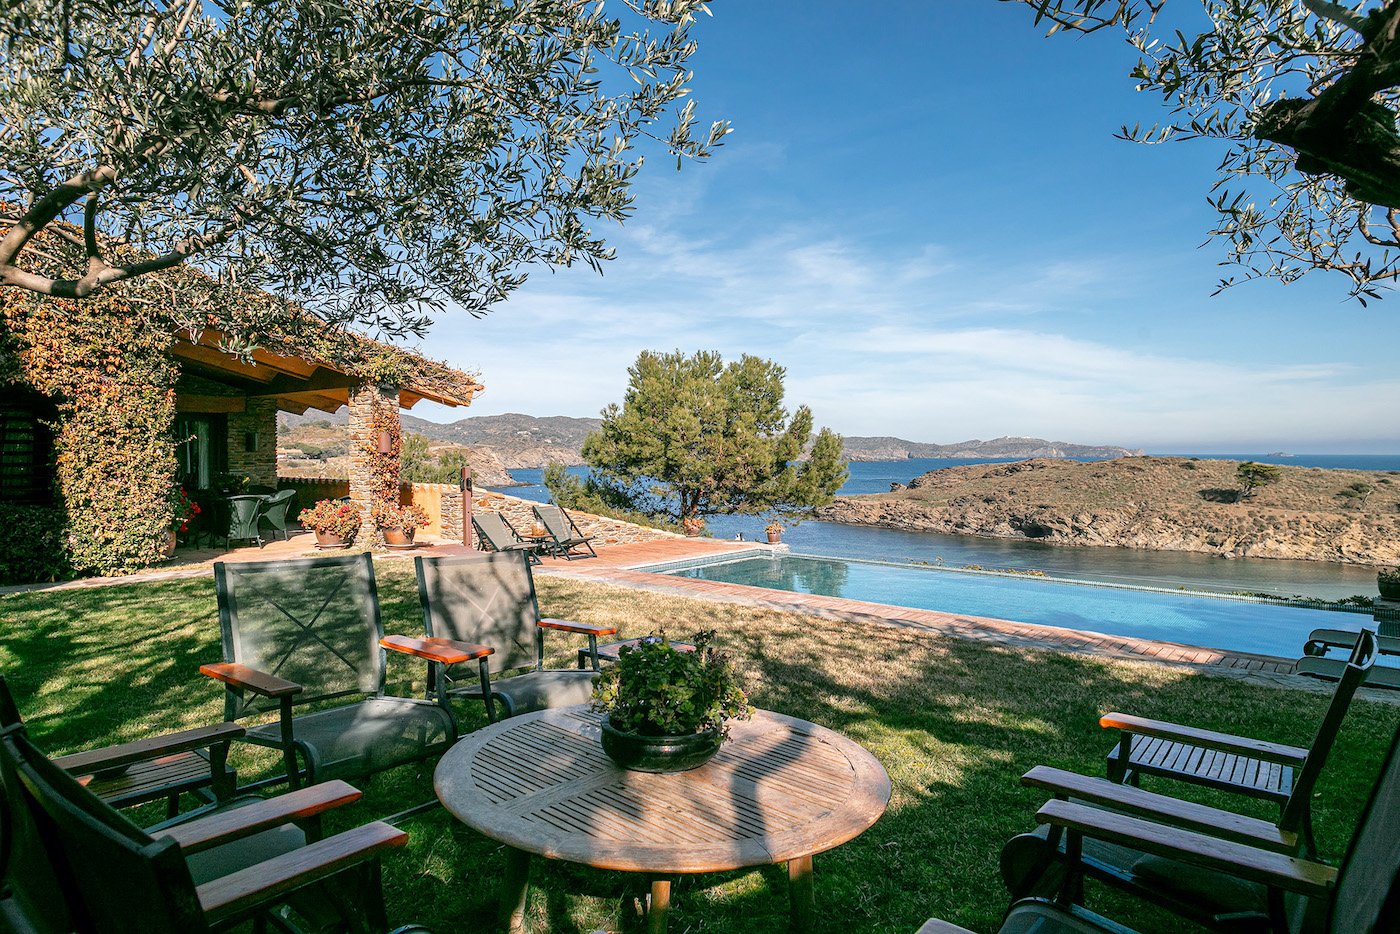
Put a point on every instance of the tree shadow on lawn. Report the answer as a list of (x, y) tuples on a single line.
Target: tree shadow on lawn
[(954, 722)]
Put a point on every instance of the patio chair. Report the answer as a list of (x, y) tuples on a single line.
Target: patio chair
[(72, 863), (489, 599), (1315, 664), (243, 512), (1282, 774), (496, 531), (565, 537), (191, 762), (1033, 864), (303, 632), (274, 512), (1291, 894)]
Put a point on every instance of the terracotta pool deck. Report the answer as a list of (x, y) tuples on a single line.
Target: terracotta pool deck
[(624, 565)]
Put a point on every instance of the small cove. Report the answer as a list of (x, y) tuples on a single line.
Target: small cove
[(1129, 566)]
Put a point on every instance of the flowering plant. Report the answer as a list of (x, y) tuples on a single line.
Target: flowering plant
[(693, 525), (774, 528), (658, 690), (182, 509), (406, 517), (332, 517)]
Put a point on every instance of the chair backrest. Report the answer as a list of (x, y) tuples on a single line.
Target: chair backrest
[(488, 599), (493, 527), (275, 507), (31, 898), (555, 521), (314, 621), (1363, 656), (1367, 896), (243, 515), (114, 877)]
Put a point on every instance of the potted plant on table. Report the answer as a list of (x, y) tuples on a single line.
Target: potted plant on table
[(1388, 581), (399, 523), (335, 522), (664, 709)]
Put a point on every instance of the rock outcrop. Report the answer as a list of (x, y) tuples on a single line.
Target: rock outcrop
[(1159, 503)]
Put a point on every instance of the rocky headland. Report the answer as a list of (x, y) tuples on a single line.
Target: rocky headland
[(897, 449), (1159, 503)]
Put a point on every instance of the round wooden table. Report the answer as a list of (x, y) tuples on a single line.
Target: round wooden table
[(780, 790)]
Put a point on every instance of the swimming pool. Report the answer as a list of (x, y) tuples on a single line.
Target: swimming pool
[(1218, 622)]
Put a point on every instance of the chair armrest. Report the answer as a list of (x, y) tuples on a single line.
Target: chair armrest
[(116, 757), (447, 651), (1185, 814), (587, 629), (268, 881), (236, 823), (241, 676), (1246, 862), (1321, 640), (1239, 745)]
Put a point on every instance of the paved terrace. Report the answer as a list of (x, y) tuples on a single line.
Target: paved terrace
[(621, 565)]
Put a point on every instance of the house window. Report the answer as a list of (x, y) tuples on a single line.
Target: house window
[(201, 446), (26, 448)]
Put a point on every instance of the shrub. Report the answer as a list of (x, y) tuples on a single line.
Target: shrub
[(36, 550), (658, 690)]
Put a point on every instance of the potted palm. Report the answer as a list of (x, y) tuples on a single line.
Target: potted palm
[(335, 522), (399, 523), (665, 709), (1388, 581)]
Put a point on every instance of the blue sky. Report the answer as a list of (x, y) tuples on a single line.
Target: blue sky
[(923, 215)]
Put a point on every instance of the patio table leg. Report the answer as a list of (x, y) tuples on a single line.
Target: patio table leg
[(800, 893), (514, 888), (660, 905)]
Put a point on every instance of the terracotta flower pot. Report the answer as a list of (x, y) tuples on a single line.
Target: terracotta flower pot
[(330, 540), (775, 538), (398, 536), (167, 547)]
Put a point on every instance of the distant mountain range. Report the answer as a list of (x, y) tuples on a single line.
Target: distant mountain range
[(524, 441), (894, 449)]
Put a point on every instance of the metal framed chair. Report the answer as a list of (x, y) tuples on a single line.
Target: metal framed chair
[(496, 531), (1316, 664), (567, 539), (489, 600), (75, 864), (308, 631)]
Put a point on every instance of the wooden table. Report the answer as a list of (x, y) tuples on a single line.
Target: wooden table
[(780, 790)]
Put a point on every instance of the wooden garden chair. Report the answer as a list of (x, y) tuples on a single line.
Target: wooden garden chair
[(70, 863), (489, 600), (1363, 897), (566, 539), (305, 632), (1284, 775), (193, 762)]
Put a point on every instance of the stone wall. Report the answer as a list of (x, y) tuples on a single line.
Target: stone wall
[(255, 427), (519, 513), (365, 402)]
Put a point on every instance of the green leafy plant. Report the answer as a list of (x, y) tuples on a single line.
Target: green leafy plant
[(1252, 476), (332, 517), (658, 690), (39, 551), (1388, 576), (406, 517)]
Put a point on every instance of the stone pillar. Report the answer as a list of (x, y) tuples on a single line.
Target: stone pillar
[(252, 442), (374, 410)]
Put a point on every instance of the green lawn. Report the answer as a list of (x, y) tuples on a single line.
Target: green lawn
[(954, 722)]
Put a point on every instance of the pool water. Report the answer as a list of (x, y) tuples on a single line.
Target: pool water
[(1212, 622)]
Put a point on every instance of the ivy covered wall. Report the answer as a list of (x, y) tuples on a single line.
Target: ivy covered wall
[(103, 362)]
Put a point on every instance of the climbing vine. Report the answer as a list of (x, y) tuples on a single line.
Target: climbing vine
[(381, 462)]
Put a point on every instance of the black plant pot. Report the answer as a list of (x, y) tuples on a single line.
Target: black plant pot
[(1389, 588), (642, 753)]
